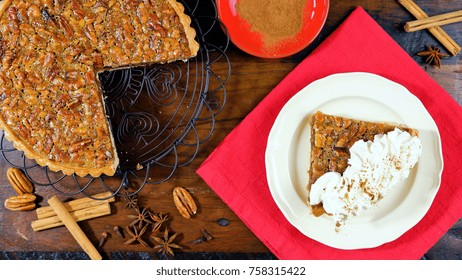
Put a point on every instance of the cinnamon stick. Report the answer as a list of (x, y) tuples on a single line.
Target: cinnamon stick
[(76, 204), (436, 31), (437, 20), (99, 210), (74, 228)]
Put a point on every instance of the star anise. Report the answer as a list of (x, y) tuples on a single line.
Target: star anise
[(136, 235), (141, 217), (433, 55), (166, 244), (132, 200), (158, 219)]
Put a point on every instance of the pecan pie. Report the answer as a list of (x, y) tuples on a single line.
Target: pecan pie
[(51, 52), (331, 139)]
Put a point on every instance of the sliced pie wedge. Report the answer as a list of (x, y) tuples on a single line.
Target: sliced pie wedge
[(51, 51), (331, 139)]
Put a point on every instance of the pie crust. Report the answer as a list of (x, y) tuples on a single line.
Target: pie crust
[(332, 137), (51, 103)]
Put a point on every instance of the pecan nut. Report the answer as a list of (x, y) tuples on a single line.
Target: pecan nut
[(24, 202), (184, 202), (18, 180)]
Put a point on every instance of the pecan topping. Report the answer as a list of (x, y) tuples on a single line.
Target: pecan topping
[(52, 50), (73, 103), (47, 18), (66, 27), (77, 9), (79, 145)]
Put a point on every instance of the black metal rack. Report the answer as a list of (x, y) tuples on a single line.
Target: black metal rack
[(154, 113)]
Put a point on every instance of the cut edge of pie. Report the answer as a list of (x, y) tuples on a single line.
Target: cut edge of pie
[(30, 153), (331, 138), (52, 165), (186, 22), (109, 169)]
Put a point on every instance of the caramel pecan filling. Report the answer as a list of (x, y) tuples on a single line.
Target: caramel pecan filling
[(51, 52)]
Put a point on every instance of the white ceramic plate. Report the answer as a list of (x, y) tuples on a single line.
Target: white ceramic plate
[(362, 96)]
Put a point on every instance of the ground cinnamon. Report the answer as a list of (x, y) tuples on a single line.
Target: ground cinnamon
[(276, 20)]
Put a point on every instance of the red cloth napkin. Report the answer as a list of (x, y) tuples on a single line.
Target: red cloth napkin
[(236, 169)]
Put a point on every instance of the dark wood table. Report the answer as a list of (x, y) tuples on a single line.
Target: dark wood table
[(250, 81)]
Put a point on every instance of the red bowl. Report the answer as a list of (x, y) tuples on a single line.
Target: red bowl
[(240, 33)]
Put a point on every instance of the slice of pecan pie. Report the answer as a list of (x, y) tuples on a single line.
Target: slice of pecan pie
[(51, 51), (331, 139)]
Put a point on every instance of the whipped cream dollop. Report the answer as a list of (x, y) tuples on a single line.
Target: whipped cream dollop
[(373, 169)]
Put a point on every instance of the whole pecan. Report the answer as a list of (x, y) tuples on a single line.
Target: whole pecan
[(18, 180), (184, 202), (79, 145), (24, 202)]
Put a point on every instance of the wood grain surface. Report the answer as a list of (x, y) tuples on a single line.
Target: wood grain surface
[(251, 80)]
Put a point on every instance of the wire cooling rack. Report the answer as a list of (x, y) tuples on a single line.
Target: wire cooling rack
[(155, 112)]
